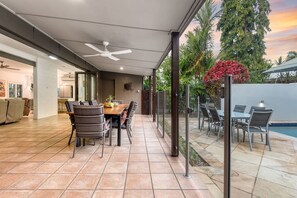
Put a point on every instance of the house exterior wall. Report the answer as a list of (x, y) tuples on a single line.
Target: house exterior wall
[(120, 92), (282, 98)]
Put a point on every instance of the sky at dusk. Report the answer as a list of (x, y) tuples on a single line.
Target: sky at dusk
[(283, 24)]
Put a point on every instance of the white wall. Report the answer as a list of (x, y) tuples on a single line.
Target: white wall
[(282, 98), (17, 78), (45, 89)]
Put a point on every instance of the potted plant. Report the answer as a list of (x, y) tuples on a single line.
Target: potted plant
[(108, 102)]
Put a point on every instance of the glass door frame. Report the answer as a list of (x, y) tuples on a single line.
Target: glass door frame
[(88, 85)]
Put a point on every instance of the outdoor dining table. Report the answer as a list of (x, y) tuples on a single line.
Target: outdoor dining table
[(114, 112), (235, 116)]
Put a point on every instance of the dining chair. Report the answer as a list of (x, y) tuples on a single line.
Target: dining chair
[(86, 103), (206, 116), (93, 102), (127, 118), (90, 123), (128, 121), (258, 123), (240, 123), (216, 120), (69, 106)]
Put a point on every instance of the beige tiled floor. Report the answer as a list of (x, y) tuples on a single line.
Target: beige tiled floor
[(35, 162)]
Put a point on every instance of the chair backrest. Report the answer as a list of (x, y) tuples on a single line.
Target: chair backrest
[(214, 114), (131, 111), (239, 108), (204, 111), (69, 105), (85, 103), (89, 121), (118, 101), (93, 102), (260, 118), (256, 108)]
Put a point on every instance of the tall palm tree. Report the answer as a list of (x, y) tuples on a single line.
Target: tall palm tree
[(197, 54)]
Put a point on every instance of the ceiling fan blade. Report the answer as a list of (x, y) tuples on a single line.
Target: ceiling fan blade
[(93, 47), (121, 52), (92, 55), (113, 58)]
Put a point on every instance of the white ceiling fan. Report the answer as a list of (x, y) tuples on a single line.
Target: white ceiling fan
[(106, 53), (2, 66)]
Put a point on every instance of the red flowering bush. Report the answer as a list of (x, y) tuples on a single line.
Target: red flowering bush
[(213, 77)]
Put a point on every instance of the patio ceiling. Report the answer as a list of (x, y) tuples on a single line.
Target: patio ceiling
[(140, 25)]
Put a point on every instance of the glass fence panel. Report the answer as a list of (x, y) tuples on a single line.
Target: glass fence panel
[(167, 117), (161, 110)]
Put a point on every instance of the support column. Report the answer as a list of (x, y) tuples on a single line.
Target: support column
[(174, 93), (150, 95), (154, 95)]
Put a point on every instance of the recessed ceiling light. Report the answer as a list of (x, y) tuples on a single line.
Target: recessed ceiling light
[(121, 68), (53, 57)]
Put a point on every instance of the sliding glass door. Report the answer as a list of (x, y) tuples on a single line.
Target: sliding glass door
[(85, 86)]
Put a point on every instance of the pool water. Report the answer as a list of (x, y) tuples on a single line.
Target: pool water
[(286, 130)]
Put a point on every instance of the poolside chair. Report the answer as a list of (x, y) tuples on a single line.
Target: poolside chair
[(90, 123), (239, 108), (216, 120), (206, 116), (240, 123), (258, 123)]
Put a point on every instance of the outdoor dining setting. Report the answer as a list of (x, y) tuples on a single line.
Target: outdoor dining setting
[(256, 121), (90, 120)]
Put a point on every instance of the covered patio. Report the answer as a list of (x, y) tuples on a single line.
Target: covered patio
[(35, 162)]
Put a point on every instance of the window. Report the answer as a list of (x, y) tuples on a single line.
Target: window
[(15, 90)]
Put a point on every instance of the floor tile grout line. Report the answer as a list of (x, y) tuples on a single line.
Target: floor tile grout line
[(113, 148)]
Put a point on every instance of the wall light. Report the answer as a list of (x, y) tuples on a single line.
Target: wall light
[(121, 68), (53, 57), (261, 104)]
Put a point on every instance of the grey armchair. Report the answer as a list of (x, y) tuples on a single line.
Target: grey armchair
[(90, 123), (206, 116), (216, 120), (258, 123)]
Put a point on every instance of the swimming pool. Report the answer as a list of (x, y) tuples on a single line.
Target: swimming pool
[(286, 130)]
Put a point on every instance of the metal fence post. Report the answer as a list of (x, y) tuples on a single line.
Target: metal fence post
[(227, 136), (198, 111), (158, 111), (164, 109), (187, 110)]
